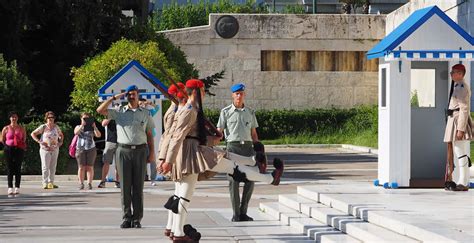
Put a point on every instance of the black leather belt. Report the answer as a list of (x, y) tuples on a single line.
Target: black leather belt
[(192, 137), (450, 112), (132, 146)]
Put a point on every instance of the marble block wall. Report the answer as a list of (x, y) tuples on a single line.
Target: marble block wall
[(240, 57)]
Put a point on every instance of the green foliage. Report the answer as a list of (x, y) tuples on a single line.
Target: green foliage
[(47, 38), (96, 71), (414, 99), (175, 16), (175, 56), (294, 9), (212, 80), (15, 91), (318, 123), (32, 161)]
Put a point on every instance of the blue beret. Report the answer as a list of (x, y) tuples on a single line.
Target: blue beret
[(237, 87), (131, 88)]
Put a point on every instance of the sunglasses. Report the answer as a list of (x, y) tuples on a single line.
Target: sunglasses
[(51, 117)]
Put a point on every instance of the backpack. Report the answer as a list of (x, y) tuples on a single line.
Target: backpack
[(72, 146)]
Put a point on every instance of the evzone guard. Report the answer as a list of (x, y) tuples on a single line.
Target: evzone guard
[(187, 153)]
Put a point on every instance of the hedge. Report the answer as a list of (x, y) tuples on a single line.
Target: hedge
[(32, 162), (278, 123), (272, 125)]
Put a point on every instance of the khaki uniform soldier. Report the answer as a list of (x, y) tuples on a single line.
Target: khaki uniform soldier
[(168, 121), (188, 157), (239, 125), (134, 135), (165, 137), (458, 131)]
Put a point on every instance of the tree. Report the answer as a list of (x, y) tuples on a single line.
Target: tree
[(176, 16), (47, 38), (349, 5), (96, 71), (15, 90), (365, 7)]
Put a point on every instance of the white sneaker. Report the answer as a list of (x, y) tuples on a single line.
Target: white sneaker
[(17, 190), (10, 191)]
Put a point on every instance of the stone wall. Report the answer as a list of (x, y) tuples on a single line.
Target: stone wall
[(396, 17), (461, 11), (240, 57)]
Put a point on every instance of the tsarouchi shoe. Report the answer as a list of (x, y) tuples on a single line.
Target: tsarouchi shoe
[(278, 172), (461, 188)]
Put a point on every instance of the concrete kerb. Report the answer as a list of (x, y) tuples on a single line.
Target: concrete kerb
[(361, 149), (344, 146)]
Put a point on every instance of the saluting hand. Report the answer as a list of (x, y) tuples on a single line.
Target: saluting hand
[(119, 96)]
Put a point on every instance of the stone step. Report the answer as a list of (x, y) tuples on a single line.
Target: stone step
[(336, 237), (275, 209), (308, 192), (373, 233), (294, 201), (377, 214), (356, 227), (309, 226), (327, 215), (418, 228), (301, 223)]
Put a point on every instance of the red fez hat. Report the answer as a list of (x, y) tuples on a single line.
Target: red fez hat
[(194, 84), (180, 95), (172, 90), (459, 67), (181, 90), (181, 86)]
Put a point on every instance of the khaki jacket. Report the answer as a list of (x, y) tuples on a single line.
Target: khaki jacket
[(185, 152), (460, 120), (165, 138)]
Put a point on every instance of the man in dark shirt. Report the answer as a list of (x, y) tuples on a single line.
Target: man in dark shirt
[(109, 151)]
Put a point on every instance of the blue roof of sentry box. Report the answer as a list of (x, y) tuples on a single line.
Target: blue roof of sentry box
[(410, 25), (132, 64)]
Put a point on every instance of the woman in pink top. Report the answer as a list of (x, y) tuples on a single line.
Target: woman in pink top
[(14, 141)]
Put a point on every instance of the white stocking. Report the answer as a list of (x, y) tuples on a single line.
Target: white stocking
[(242, 160), (185, 190), (227, 166), (461, 148)]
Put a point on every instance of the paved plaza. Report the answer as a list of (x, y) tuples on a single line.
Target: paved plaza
[(69, 215)]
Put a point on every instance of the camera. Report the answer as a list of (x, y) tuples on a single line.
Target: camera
[(89, 122)]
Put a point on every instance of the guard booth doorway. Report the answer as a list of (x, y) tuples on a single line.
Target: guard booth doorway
[(429, 91)]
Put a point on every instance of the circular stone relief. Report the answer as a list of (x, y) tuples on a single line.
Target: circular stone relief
[(227, 26)]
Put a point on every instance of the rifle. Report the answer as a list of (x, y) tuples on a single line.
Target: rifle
[(449, 158), (211, 129)]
